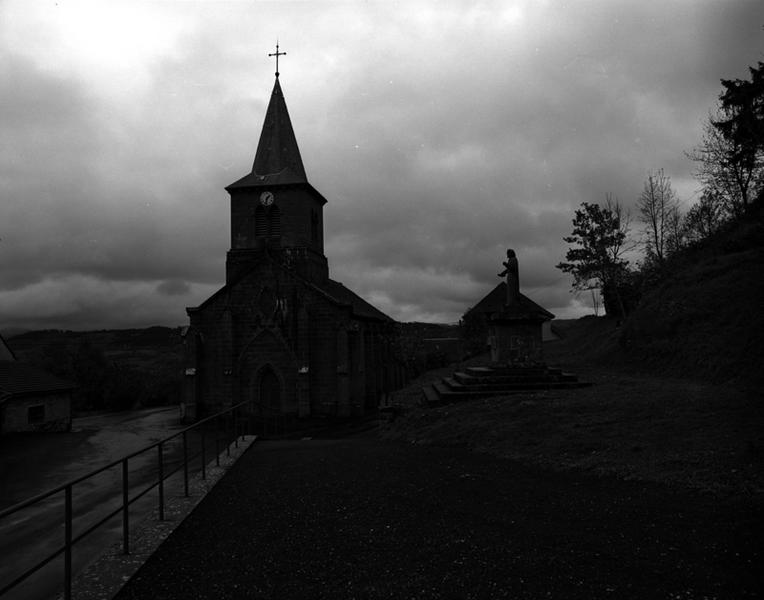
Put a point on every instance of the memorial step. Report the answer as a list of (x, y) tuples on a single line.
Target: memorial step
[(484, 382), (429, 396), (508, 371), (467, 379), (497, 389)]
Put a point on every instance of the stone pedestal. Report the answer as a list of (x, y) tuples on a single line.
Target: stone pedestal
[(515, 339)]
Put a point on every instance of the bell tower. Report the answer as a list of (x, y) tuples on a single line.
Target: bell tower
[(275, 212)]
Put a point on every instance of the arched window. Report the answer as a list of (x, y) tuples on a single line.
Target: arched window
[(274, 222), (261, 225)]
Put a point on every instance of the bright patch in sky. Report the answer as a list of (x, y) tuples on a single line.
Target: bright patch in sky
[(108, 41)]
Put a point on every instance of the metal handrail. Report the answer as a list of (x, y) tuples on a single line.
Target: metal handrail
[(70, 540)]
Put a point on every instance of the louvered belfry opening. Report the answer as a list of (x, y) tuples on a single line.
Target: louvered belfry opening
[(268, 222), (261, 223), (274, 222)]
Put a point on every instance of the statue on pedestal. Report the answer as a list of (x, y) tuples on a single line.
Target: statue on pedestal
[(513, 277)]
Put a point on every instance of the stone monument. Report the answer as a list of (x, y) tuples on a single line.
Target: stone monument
[(513, 322), (514, 329)]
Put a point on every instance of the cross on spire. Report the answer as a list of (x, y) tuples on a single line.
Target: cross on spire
[(277, 54)]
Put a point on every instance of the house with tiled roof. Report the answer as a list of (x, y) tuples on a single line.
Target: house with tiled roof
[(30, 398), (281, 332)]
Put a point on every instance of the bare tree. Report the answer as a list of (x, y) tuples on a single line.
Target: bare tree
[(703, 219), (659, 211), (676, 239)]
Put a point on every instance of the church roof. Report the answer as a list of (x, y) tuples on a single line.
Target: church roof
[(342, 295), (334, 291), (494, 302), (277, 160)]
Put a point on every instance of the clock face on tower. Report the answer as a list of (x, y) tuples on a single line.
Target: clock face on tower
[(266, 198)]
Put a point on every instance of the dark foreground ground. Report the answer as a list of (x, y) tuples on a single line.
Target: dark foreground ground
[(361, 518)]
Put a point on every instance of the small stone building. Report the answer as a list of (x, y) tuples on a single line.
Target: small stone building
[(31, 399), (513, 330), (281, 332)]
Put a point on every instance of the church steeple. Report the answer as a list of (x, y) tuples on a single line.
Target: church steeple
[(277, 152), (275, 211)]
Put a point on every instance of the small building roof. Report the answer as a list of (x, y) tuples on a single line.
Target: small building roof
[(20, 379), (494, 302), (5, 350)]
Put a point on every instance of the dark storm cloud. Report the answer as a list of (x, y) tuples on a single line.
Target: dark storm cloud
[(467, 165), (85, 195), (440, 135)]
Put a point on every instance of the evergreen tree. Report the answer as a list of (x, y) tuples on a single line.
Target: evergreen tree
[(600, 234)]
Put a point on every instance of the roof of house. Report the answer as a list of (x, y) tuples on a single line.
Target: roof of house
[(277, 160), (5, 350), (19, 379), (494, 302)]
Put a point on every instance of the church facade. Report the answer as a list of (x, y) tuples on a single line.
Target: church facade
[(281, 333)]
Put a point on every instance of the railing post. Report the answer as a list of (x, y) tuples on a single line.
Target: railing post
[(217, 441), (125, 511), (68, 542), (185, 464), (228, 427), (161, 482), (204, 454), (235, 429)]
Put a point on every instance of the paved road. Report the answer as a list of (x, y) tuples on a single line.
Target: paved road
[(360, 518), (31, 464)]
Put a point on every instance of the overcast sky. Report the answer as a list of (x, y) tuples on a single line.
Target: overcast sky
[(441, 133)]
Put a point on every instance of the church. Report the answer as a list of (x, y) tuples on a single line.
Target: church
[(281, 333)]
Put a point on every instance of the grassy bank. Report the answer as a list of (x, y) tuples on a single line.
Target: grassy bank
[(633, 425)]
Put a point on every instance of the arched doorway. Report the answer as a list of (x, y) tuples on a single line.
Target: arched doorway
[(270, 391), (269, 400)]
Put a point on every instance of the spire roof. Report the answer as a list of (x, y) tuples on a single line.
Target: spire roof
[(277, 160), (277, 151)]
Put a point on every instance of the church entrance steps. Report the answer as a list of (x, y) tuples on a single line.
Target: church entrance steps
[(482, 382)]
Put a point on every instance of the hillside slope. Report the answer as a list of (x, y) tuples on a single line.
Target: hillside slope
[(705, 320)]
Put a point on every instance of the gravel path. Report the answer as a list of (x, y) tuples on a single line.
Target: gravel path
[(360, 518)]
